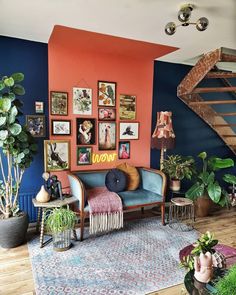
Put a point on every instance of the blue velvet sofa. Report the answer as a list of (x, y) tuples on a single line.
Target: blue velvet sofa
[(151, 191)]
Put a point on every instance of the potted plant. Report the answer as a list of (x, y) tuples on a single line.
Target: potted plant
[(206, 188), (178, 168), (231, 179), (17, 150), (60, 222)]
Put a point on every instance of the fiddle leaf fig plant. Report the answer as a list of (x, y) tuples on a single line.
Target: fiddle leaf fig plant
[(17, 145)]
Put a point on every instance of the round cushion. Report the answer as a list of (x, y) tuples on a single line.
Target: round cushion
[(115, 180), (133, 177)]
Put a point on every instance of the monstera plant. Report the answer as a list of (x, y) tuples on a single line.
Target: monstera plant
[(17, 149)]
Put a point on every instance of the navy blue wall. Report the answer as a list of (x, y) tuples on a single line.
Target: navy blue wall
[(30, 58)]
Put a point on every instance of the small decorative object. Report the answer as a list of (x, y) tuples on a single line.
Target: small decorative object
[(86, 131), (56, 155), (61, 127), (104, 158), (124, 150), (39, 107), (36, 125), (203, 270), (84, 155), (42, 196), (59, 103), (106, 93), (106, 114), (129, 130), (82, 101), (107, 136), (127, 108)]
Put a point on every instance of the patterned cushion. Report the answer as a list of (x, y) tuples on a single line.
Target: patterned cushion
[(133, 177), (115, 180)]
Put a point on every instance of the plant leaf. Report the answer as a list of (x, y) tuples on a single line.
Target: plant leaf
[(18, 77), (229, 178), (2, 120), (15, 129), (214, 191), (195, 191), (202, 155), (18, 89), (3, 134), (5, 105), (2, 85), (9, 82)]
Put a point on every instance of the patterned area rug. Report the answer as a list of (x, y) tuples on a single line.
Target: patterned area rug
[(140, 258)]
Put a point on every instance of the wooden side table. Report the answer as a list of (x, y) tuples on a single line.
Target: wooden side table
[(42, 207)]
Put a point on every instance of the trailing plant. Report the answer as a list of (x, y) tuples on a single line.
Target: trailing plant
[(227, 284), (16, 143), (206, 183)]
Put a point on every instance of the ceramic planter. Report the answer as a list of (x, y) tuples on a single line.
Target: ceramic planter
[(202, 206), (175, 185)]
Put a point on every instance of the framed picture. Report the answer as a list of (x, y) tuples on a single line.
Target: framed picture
[(61, 127), (106, 114), (106, 135), (127, 109), (124, 150), (106, 94), (36, 125), (56, 155), (84, 155), (86, 131), (129, 130), (59, 103), (82, 101), (39, 107)]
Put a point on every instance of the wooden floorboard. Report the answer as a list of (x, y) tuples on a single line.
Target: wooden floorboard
[(15, 267)]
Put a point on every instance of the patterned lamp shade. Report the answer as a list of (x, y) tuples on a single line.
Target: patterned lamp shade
[(163, 136)]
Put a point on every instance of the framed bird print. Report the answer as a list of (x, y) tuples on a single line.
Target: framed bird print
[(129, 130), (106, 94)]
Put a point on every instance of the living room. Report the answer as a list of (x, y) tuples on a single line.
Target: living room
[(108, 98)]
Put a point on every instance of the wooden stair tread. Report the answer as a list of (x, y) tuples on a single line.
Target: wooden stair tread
[(229, 135), (224, 125), (210, 102), (214, 89), (220, 75), (227, 114)]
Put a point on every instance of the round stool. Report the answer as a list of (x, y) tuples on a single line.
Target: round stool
[(181, 214)]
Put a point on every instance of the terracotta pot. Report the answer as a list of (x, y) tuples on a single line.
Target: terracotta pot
[(175, 185), (202, 206)]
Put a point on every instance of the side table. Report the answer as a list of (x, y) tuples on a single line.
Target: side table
[(42, 207)]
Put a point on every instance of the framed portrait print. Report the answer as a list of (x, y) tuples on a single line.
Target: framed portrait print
[(61, 127), (86, 131), (59, 103), (106, 135), (84, 155), (39, 107), (56, 155), (106, 93), (127, 109), (129, 130), (36, 125), (124, 150), (82, 101), (106, 114)]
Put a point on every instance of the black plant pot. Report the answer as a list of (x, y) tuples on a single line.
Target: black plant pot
[(13, 230)]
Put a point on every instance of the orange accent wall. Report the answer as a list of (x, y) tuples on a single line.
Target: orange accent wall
[(79, 58)]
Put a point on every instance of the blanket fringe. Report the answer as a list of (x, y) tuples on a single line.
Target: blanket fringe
[(105, 221)]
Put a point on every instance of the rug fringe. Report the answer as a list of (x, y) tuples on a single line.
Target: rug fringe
[(105, 222)]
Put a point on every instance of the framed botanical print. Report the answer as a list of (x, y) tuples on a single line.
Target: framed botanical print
[(86, 131), (84, 155), (127, 109), (36, 125), (56, 155), (59, 103), (61, 127), (124, 150), (106, 94), (82, 101), (106, 135), (106, 114), (129, 130)]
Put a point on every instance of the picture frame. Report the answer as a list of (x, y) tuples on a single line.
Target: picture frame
[(124, 150), (127, 107), (84, 155), (39, 107), (36, 125), (106, 93), (86, 131), (61, 127), (82, 101), (56, 155), (129, 130), (106, 114), (106, 135), (59, 103)]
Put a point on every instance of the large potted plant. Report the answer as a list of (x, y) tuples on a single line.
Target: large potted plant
[(206, 188), (16, 154), (177, 168)]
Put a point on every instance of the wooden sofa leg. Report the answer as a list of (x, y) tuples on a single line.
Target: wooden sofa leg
[(81, 227), (163, 214), (142, 210)]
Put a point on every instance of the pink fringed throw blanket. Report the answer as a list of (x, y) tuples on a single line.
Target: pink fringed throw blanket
[(105, 210)]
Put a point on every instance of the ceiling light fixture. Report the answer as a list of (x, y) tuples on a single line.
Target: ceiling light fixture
[(184, 15)]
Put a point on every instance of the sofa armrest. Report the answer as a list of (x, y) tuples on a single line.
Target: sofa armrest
[(154, 180), (77, 189)]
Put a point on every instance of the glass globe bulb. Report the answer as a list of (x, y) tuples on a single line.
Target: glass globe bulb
[(202, 24), (170, 28), (184, 14)]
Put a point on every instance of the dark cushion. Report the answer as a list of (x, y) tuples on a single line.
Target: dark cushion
[(115, 180)]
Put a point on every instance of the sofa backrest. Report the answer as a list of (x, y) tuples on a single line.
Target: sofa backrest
[(151, 181), (92, 179)]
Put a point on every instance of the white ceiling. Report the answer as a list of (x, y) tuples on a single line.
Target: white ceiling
[(135, 19)]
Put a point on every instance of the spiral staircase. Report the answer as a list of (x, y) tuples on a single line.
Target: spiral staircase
[(207, 102)]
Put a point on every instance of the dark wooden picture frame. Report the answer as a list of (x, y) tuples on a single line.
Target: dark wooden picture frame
[(36, 125), (106, 94), (59, 103), (86, 131), (106, 114), (129, 130), (107, 136), (127, 107), (84, 155), (124, 150), (61, 127)]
